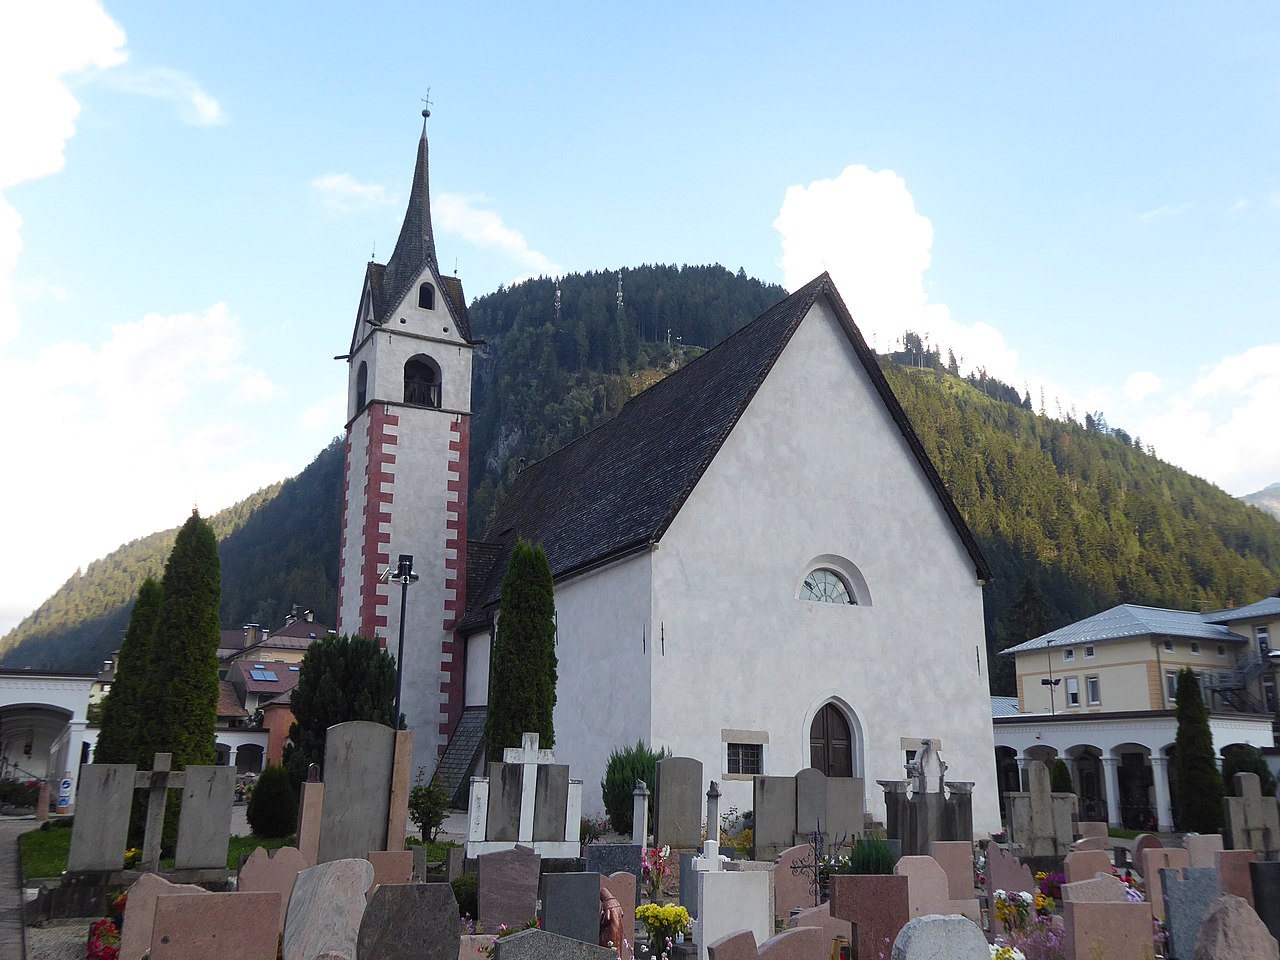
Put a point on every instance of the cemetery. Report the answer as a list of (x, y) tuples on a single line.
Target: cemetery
[(817, 877)]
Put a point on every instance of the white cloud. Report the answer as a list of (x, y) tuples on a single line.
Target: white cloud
[(460, 215), (328, 413), (42, 45), (1223, 426), (121, 437), (863, 228), (38, 288), (1141, 385), (1241, 205), (343, 193), (195, 107), (1164, 210)]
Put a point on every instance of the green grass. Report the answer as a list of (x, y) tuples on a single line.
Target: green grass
[(437, 850), (1120, 833), (44, 852)]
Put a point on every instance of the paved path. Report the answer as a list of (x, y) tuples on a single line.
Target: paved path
[(12, 944)]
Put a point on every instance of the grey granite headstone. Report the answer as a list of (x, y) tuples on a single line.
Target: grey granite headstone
[(100, 832), (936, 937), (846, 806), (610, 858), (551, 803), (1266, 893), (506, 788), (410, 921), (811, 802), (507, 888), (678, 803), (358, 760), (689, 884), (204, 826), (571, 905), (541, 945), (325, 909), (1186, 901), (774, 802)]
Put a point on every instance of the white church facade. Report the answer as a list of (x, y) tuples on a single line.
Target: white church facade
[(756, 564)]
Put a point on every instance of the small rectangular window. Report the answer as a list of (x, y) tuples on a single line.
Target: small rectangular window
[(1195, 647), (1069, 653), (1073, 692), (1263, 638), (1093, 691), (746, 758), (1089, 652), (1171, 685), (1168, 646), (1222, 649)]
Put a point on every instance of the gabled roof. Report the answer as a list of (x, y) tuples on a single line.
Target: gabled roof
[(1268, 607), (301, 628), (1130, 620), (259, 676), (229, 701), (618, 488)]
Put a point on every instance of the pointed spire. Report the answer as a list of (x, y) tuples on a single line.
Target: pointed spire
[(416, 245)]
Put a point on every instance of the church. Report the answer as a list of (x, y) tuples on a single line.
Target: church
[(756, 564)]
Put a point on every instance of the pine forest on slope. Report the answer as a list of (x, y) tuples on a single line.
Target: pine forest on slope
[(1077, 509)]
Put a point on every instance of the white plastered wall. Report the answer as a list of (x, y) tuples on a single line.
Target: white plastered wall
[(816, 466)]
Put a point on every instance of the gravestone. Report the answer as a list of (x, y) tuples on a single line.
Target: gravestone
[(204, 825), (1091, 828), (390, 866), (689, 884), (1113, 930), (798, 943), (774, 809), (928, 890), (274, 871), (1005, 872), (729, 902), (1203, 848), (820, 917), (140, 911), (1040, 821), (1144, 842), (1085, 864), (739, 945), (1103, 888), (410, 921), (877, 906), (571, 905), (1252, 820), (100, 831), (956, 859), (1088, 843), (1233, 871), (1266, 893), (926, 806), (610, 858), (1155, 859), (935, 937), (310, 808), (795, 881), (1231, 930), (527, 799), (677, 820), (1187, 898), (537, 944), (788, 810), (325, 910), (622, 885), (768, 868), (358, 758), (507, 888), (216, 926)]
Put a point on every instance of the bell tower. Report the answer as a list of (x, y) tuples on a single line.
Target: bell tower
[(405, 486)]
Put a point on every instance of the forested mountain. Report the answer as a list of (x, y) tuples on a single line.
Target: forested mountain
[(1267, 499), (1073, 516)]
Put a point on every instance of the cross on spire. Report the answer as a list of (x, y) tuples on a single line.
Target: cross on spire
[(426, 106)]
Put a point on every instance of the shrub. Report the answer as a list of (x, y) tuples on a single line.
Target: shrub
[(870, 855), (19, 793), (1060, 777), (626, 766), (428, 807), (464, 888), (1247, 759), (1195, 769), (592, 829), (273, 808)]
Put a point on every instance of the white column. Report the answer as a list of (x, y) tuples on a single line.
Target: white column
[(1111, 774), (231, 755), (71, 766), (1160, 775), (1023, 783)]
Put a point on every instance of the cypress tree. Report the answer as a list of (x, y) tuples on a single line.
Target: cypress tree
[(1195, 770), (522, 691), (124, 715), (184, 695)]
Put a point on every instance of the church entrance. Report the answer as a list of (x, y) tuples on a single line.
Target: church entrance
[(830, 745)]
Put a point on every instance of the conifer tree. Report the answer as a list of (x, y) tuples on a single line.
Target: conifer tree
[(184, 691), (124, 711), (1195, 770), (522, 685)]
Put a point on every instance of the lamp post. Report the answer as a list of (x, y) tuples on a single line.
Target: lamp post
[(404, 576), (1044, 682)]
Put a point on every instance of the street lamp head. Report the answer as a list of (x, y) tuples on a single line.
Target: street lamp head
[(404, 569), (1051, 683)]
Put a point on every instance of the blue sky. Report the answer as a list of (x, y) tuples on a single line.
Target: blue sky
[(1084, 198)]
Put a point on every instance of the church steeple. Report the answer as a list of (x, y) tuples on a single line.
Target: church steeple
[(416, 246)]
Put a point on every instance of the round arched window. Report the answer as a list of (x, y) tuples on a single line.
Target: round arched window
[(825, 586)]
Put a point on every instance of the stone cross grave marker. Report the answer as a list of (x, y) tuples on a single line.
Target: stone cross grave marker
[(1253, 821), (528, 799), (1040, 820)]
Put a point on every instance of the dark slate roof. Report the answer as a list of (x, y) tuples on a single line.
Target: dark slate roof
[(482, 557), (1129, 620), (465, 743), (1268, 607), (618, 487)]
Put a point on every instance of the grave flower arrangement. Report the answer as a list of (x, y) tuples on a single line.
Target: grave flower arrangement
[(653, 863), (1051, 884), (104, 941), (665, 922), (1016, 907), (1005, 952), (131, 857)]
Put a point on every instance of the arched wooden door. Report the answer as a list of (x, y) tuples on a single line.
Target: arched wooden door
[(830, 745)]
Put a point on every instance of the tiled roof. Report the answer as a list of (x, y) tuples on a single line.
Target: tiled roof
[(231, 639), (1130, 620), (303, 628), (1004, 706), (242, 674), (229, 701), (1268, 607), (617, 488)]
